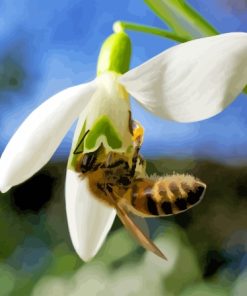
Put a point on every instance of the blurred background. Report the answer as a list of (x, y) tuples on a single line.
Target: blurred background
[(50, 45)]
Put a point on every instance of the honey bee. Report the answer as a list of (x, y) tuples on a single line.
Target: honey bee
[(120, 181)]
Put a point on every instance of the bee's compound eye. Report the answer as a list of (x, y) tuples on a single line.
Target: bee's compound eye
[(197, 194), (88, 162), (83, 169), (86, 159)]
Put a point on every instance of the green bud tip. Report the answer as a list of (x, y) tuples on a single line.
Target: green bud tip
[(115, 53)]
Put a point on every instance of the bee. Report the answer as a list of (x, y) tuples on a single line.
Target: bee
[(120, 181)]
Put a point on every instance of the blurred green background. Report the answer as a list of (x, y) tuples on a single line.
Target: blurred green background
[(49, 45), (206, 246)]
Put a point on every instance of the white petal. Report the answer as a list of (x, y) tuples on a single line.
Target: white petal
[(192, 81), (110, 100), (40, 134), (89, 220)]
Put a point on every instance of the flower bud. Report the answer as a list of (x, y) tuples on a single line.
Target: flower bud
[(115, 54)]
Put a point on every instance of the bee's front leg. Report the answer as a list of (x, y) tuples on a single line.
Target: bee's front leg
[(138, 133), (109, 159)]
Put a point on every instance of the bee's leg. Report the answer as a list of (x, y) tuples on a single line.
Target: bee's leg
[(134, 161), (109, 159), (105, 187), (138, 132), (110, 163), (101, 187), (140, 169)]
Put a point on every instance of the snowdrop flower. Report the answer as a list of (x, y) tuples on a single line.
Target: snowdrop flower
[(188, 82)]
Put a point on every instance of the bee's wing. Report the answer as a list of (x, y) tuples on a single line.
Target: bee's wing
[(140, 222), (136, 231)]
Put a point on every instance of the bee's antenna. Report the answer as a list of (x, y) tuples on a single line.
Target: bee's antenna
[(79, 144)]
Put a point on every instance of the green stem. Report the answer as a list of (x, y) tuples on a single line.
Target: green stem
[(120, 26), (182, 18)]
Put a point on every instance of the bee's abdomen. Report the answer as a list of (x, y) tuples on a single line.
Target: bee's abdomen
[(178, 195), (166, 196)]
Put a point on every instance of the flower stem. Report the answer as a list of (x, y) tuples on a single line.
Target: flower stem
[(182, 18), (120, 26)]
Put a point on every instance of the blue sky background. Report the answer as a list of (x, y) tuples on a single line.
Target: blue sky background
[(56, 44)]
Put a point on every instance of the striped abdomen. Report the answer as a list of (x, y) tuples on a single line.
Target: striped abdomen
[(165, 196)]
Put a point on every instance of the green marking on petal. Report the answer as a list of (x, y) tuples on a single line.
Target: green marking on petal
[(103, 127)]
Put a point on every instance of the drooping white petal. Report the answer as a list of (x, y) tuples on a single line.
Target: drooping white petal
[(192, 81), (40, 134), (89, 220)]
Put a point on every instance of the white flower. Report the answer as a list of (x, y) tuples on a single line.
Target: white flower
[(189, 82)]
